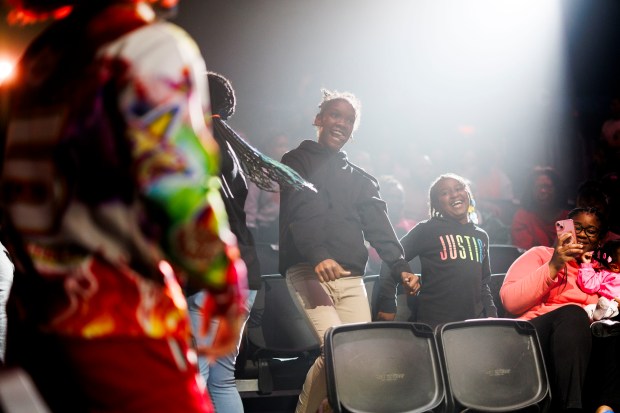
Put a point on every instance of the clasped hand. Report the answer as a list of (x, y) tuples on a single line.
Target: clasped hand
[(411, 283)]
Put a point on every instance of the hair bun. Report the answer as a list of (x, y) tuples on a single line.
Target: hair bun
[(222, 95)]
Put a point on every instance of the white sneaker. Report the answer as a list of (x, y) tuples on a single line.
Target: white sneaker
[(602, 309), (590, 310), (613, 309)]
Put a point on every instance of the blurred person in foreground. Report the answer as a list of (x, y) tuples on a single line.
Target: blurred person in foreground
[(110, 198), (6, 279), (240, 164)]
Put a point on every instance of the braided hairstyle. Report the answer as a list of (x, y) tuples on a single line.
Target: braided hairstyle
[(592, 211), (609, 254), (259, 168), (433, 200), (222, 96)]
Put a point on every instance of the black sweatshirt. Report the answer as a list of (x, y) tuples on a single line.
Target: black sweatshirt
[(455, 273), (335, 221)]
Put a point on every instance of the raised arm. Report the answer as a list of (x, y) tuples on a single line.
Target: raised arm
[(534, 273), (588, 279)]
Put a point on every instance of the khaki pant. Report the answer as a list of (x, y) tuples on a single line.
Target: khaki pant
[(328, 304)]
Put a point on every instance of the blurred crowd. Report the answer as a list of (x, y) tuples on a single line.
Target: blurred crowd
[(516, 207)]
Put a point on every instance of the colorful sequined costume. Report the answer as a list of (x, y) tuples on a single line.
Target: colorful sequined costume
[(109, 180)]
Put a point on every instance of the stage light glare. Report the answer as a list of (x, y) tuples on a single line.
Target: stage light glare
[(6, 69)]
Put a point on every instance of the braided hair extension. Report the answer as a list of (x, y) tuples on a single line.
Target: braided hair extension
[(259, 168)]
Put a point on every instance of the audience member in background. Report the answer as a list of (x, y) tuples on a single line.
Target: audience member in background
[(609, 149), (262, 206), (611, 185), (592, 194), (6, 279), (107, 189), (454, 254), (495, 201), (599, 273), (491, 182), (541, 286), (362, 159), (414, 170), (393, 194), (542, 204), (610, 131), (322, 235), (238, 161)]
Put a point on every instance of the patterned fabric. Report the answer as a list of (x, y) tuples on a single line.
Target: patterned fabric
[(110, 177)]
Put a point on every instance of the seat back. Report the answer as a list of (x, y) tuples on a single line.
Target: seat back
[(369, 283), (502, 256), (276, 325), (268, 257), (493, 365), (278, 346), (383, 367), (19, 394), (495, 285)]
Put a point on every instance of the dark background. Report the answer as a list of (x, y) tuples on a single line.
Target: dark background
[(522, 82)]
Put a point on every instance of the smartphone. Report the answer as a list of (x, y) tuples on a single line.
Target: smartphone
[(566, 226)]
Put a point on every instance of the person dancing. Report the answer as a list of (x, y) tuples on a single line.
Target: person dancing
[(322, 234)]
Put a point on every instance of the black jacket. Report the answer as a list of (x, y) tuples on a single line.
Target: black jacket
[(335, 221)]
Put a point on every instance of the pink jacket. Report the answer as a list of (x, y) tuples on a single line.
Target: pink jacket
[(528, 290), (601, 282)]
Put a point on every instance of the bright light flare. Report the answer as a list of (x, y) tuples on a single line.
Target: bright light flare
[(6, 69)]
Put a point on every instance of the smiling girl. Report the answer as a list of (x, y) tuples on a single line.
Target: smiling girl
[(454, 254)]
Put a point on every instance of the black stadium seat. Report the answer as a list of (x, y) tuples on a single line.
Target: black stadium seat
[(502, 256), (493, 365), (276, 330), (383, 367)]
